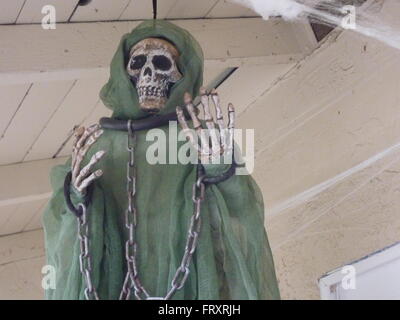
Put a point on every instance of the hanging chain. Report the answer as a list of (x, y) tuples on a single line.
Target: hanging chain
[(132, 280), (131, 247), (131, 277), (85, 259)]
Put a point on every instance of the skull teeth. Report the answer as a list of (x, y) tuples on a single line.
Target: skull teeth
[(151, 91)]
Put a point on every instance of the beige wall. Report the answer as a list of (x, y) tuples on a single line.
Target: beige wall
[(349, 220), (324, 120)]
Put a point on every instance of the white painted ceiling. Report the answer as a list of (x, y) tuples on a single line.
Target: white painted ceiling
[(29, 11), (39, 112)]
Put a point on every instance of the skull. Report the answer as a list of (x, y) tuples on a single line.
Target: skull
[(153, 70)]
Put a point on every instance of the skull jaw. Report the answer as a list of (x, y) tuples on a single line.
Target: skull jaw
[(152, 105)]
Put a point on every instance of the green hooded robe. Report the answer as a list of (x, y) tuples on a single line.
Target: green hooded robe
[(233, 259)]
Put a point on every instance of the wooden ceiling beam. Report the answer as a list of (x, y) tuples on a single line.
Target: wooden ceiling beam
[(79, 50)]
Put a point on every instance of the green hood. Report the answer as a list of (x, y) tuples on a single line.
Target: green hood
[(120, 95)]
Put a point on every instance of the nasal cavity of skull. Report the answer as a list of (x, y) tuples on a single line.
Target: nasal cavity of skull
[(147, 72)]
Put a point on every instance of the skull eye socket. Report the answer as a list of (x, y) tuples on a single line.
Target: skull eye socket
[(138, 61), (162, 63)]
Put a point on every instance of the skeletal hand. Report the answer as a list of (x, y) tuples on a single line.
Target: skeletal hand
[(221, 137), (84, 139)]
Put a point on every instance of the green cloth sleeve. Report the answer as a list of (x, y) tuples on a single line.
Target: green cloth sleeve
[(62, 243), (237, 212)]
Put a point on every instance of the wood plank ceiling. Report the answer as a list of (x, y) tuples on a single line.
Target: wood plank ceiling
[(29, 11), (38, 116)]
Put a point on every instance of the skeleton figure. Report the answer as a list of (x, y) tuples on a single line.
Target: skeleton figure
[(155, 72), (153, 69)]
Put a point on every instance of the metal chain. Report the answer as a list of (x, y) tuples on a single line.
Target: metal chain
[(85, 259), (131, 246), (132, 280)]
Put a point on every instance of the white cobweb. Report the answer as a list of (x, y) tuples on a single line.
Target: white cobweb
[(369, 21)]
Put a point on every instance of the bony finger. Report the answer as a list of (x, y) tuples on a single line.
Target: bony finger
[(77, 134), (98, 133), (196, 123), (82, 151), (231, 115), (92, 128), (99, 154), (78, 131), (86, 169), (216, 101), (95, 159), (187, 98), (206, 106), (181, 117), (95, 175), (189, 134), (93, 138), (203, 96), (231, 126), (192, 111), (88, 132)]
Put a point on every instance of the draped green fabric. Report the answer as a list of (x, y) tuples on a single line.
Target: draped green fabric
[(233, 259)]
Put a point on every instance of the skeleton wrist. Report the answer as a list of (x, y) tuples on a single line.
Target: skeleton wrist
[(76, 194)]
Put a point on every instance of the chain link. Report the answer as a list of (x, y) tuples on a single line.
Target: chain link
[(85, 260), (132, 281)]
